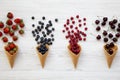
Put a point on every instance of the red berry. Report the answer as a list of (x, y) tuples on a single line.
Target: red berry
[(5, 39), (14, 27), (67, 28), (6, 30), (63, 31), (17, 20), (21, 31), (86, 28), (84, 19), (9, 22), (79, 20), (77, 16), (12, 45), (84, 24), (1, 24), (71, 26), (84, 39), (73, 22), (64, 25), (7, 48), (22, 25), (71, 18), (72, 31), (80, 25), (76, 27), (10, 15), (15, 38), (1, 34), (11, 33)]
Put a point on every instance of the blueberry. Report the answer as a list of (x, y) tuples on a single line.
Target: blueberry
[(43, 18), (53, 39), (33, 32), (49, 21), (33, 25), (44, 35), (52, 35), (53, 29), (39, 22), (43, 32), (32, 17), (56, 20), (42, 27)]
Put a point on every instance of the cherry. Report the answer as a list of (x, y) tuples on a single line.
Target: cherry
[(98, 28), (110, 35), (110, 51), (97, 22), (105, 39), (103, 23), (105, 33), (115, 39), (105, 18), (98, 37), (115, 21)]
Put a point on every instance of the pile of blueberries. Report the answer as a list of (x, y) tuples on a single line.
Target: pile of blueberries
[(43, 33), (113, 29)]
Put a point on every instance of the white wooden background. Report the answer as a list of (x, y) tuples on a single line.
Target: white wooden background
[(92, 64)]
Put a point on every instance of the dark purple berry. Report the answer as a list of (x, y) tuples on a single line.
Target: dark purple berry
[(105, 39), (43, 18), (98, 28), (111, 44), (105, 33), (110, 23), (103, 23), (32, 17), (33, 25), (105, 18), (118, 29), (114, 21), (112, 26), (110, 51), (107, 46), (98, 37), (56, 20), (114, 39), (110, 35), (118, 25), (117, 35), (97, 22)]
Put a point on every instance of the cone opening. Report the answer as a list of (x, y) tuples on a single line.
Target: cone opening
[(11, 53), (115, 48), (69, 47), (40, 52)]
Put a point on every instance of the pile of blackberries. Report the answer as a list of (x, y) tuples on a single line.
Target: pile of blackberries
[(110, 29), (43, 33)]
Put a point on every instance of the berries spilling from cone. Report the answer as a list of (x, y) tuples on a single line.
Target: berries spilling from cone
[(11, 48)]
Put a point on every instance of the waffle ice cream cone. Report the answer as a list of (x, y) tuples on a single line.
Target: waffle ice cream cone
[(11, 58), (109, 57), (42, 57), (73, 56)]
